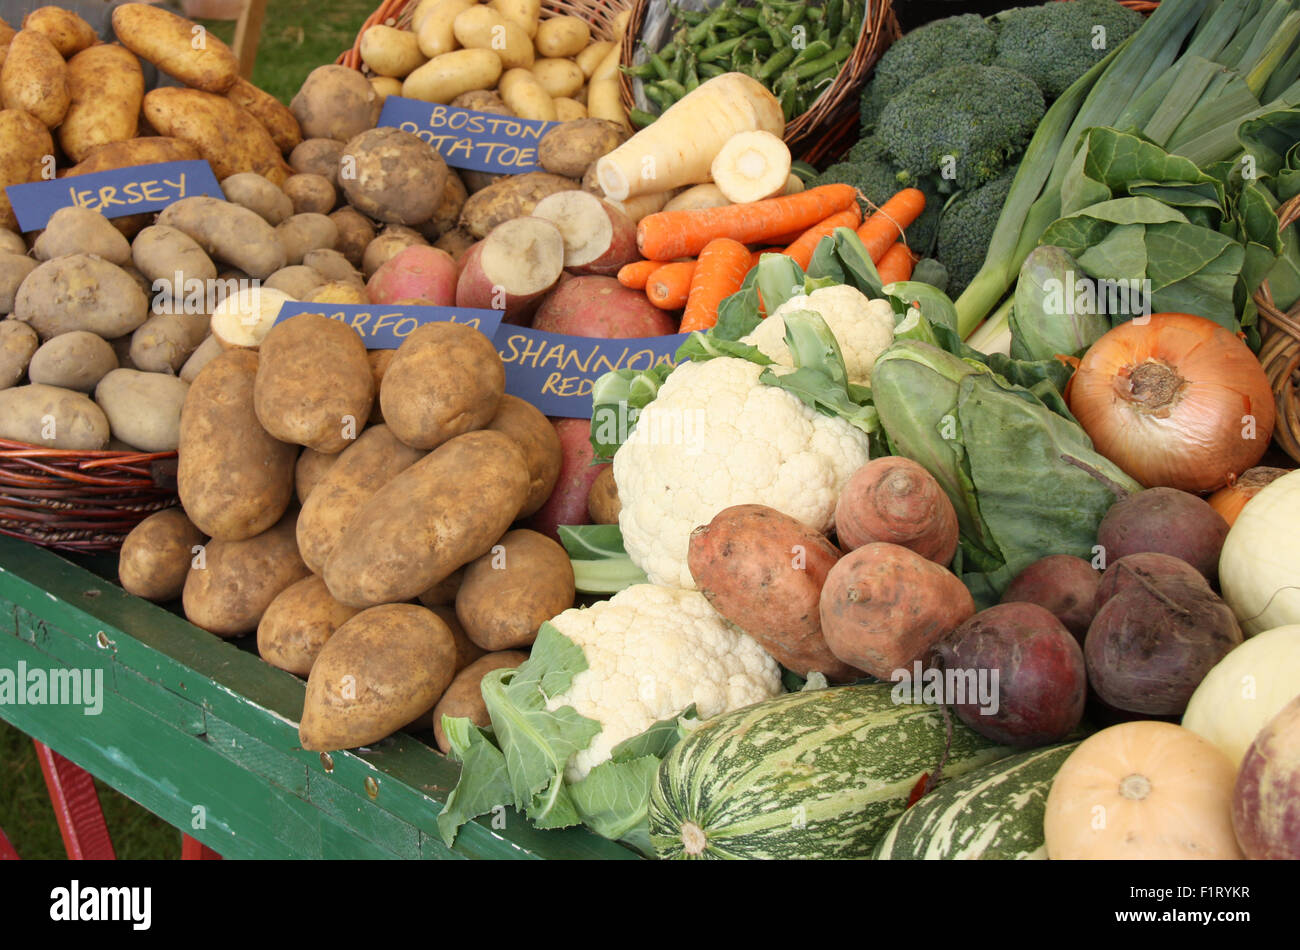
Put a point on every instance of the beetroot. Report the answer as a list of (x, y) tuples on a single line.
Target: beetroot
[(1041, 682), (1130, 571), (1150, 646), (1064, 584), (1167, 521)]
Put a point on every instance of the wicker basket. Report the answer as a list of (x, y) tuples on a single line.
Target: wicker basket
[(81, 501), (598, 13), (829, 126), (1280, 354)]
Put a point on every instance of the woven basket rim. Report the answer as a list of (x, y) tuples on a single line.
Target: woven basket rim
[(1280, 354)]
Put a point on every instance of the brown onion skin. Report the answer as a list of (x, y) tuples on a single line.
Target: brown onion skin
[(1042, 682), (1166, 521), (1064, 584), (1175, 400), (1266, 799), (895, 500), (1145, 656)]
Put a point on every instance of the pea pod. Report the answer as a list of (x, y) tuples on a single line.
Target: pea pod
[(816, 66), (812, 51), (710, 70), (660, 97), (689, 17), (640, 118), (780, 59), (719, 51), (835, 16), (657, 64)]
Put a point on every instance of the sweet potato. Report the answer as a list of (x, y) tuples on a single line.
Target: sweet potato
[(894, 499), (884, 606), (764, 571)]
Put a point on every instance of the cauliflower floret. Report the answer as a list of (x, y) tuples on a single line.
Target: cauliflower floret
[(713, 437), (651, 652), (864, 328)]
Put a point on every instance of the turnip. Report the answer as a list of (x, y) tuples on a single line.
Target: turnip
[(1062, 583), (894, 499), (512, 268), (1266, 800), (598, 238), (1167, 521), (1150, 646), (1041, 684)]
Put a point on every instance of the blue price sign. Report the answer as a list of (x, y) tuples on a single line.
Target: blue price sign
[(115, 193), (384, 328), (479, 141), (556, 373)]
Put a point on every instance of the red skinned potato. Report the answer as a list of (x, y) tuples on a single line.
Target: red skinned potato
[(512, 268), (567, 503), (417, 271), (894, 499), (764, 571), (1041, 685), (883, 606), (1266, 800), (598, 238), (1063, 584), (601, 306)]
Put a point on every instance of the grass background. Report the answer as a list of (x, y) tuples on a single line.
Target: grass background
[(297, 36)]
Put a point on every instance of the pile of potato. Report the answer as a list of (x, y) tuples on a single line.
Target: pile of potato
[(377, 559), (550, 69)]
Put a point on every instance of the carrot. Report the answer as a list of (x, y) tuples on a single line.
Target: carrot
[(634, 275), (666, 235), (883, 228), (668, 286), (802, 249), (721, 270), (896, 264)]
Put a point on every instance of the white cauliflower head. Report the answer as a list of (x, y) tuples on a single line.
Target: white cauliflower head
[(651, 652), (714, 437), (864, 328)]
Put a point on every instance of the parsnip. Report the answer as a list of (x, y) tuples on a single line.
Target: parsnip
[(679, 148), (751, 166)]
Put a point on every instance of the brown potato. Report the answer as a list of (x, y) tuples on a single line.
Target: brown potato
[(603, 506), (313, 386), (14, 269), (311, 467), (165, 341), (463, 699), (297, 623), (317, 157), (380, 360), (269, 111), (227, 136), (446, 379), (764, 571), (445, 217), (513, 196), (69, 33), (443, 594), (332, 265), (335, 103), (482, 100), (363, 468), (53, 417), (34, 78), (76, 360), (310, 194), (234, 479), (570, 148), (509, 592), (305, 232), (393, 176), (455, 242), (339, 291), (377, 672), (386, 245), (133, 152), (80, 292), (229, 233), (442, 512), (467, 651), (355, 234), (257, 194), (77, 230), (157, 555), (18, 343), (177, 46), (296, 280), (106, 90), (231, 583), (536, 438)]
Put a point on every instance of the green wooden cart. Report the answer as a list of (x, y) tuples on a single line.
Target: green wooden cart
[(205, 734)]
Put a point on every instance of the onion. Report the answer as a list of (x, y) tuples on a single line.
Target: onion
[(1178, 402), (1232, 497)]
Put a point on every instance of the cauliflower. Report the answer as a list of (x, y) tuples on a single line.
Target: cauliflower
[(651, 652), (713, 437), (863, 327)]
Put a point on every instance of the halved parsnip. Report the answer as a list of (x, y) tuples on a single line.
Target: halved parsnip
[(793, 185), (512, 268), (751, 166), (244, 319), (598, 238)]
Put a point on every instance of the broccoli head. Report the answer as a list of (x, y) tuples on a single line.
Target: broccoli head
[(964, 123), (1056, 43), (966, 228), (927, 49), (867, 168)]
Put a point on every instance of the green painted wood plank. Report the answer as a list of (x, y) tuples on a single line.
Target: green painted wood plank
[(176, 711), (362, 816), (258, 757), (339, 842), (236, 688)]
